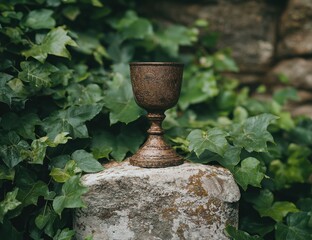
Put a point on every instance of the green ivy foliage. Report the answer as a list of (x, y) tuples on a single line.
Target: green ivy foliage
[(66, 107)]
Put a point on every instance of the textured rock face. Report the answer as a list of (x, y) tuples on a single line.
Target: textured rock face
[(247, 27), (265, 36), (190, 201), (296, 29), (297, 70)]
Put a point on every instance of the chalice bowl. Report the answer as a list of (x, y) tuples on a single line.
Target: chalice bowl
[(156, 87)]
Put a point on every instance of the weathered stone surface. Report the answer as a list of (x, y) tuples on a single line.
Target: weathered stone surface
[(247, 27), (297, 70), (298, 110), (190, 201), (246, 79), (296, 29)]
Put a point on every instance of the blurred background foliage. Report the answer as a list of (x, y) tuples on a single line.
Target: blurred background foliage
[(66, 107)]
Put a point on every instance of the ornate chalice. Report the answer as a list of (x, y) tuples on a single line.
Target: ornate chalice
[(156, 87)]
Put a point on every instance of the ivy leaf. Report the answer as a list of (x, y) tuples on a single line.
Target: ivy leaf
[(46, 216), (231, 157), (14, 152), (9, 231), (72, 191), (297, 169), (59, 175), (29, 192), (37, 74), (298, 226), (197, 87), (285, 94), (71, 120), (119, 100), (27, 125), (252, 134), (279, 210), (172, 37), (213, 140), (86, 162), (104, 142), (62, 175), (6, 173), (9, 203), (54, 43), (64, 234), (82, 95), (263, 203), (249, 173), (239, 234), (38, 150), (40, 19), (132, 26), (305, 204)]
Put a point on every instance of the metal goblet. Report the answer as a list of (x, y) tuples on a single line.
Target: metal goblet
[(156, 87)]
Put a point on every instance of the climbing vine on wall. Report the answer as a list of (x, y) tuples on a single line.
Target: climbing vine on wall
[(66, 107)]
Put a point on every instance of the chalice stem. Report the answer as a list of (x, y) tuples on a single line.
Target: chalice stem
[(156, 152), (156, 120)]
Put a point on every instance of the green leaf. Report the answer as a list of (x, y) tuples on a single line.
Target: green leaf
[(297, 168), (44, 218), (54, 43), (249, 173), (119, 100), (71, 120), (86, 162), (40, 19), (8, 203), (239, 234), (174, 36), (305, 204), (252, 134), (213, 140), (71, 12), (84, 95), (27, 124), (64, 234), (62, 175), (38, 150), (37, 74), (197, 87), (13, 153), (59, 175), (264, 204), (231, 157), (6, 173), (285, 94), (131, 26), (29, 192), (223, 62), (298, 227), (9, 231), (104, 143), (254, 224), (279, 210), (72, 191)]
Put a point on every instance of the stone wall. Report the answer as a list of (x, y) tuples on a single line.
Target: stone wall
[(268, 38)]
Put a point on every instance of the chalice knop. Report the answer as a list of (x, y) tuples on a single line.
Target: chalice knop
[(156, 87)]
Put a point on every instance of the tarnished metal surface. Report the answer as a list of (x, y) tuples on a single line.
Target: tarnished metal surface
[(156, 87)]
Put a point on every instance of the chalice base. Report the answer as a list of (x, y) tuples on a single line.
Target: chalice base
[(156, 153)]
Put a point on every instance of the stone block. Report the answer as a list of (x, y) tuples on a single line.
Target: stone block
[(190, 201), (296, 29), (297, 70), (247, 27)]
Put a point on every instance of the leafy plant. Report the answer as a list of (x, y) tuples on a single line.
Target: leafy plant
[(66, 107)]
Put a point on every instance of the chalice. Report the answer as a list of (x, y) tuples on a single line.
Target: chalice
[(156, 87)]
